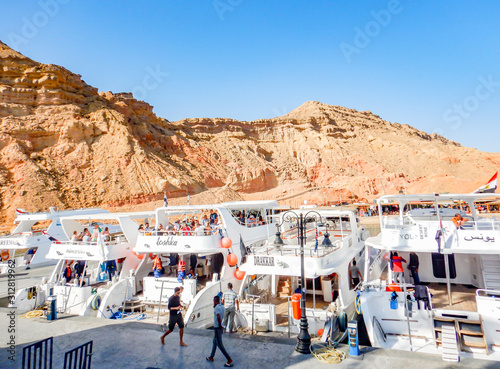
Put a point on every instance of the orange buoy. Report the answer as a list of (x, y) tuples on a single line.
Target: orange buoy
[(297, 311), (232, 260), (239, 274), (139, 256), (320, 332), (226, 242), (5, 255)]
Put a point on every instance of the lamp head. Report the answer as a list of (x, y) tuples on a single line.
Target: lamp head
[(326, 241)]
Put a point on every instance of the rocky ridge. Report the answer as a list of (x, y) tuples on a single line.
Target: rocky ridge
[(65, 144)]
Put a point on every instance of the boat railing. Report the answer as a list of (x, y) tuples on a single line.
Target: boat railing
[(294, 250), (207, 232), (488, 293), (115, 241)]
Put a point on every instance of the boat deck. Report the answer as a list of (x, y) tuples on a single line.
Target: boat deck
[(463, 297), (282, 306)]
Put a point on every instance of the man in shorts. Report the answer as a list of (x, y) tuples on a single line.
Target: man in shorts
[(174, 307)]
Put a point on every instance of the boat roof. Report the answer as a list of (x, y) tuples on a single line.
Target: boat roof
[(111, 216), (228, 205), (449, 197), (57, 214)]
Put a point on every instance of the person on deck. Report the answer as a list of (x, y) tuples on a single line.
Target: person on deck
[(355, 274), (413, 266), (459, 221), (397, 268), (111, 268)]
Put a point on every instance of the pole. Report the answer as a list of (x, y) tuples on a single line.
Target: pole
[(303, 339), (446, 262), (407, 314)]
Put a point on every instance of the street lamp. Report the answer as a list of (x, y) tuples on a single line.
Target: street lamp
[(303, 339)]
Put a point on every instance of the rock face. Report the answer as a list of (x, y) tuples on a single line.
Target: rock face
[(64, 144)]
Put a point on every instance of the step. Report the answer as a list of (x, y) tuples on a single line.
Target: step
[(449, 344), (283, 294), (491, 269), (285, 290), (491, 276), (490, 263)]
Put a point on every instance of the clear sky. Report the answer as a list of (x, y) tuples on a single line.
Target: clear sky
[(432, 64)]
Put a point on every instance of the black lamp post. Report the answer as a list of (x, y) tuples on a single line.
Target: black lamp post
[(304, 338)]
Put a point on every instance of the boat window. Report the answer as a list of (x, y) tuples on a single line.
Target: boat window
[(438, 266)]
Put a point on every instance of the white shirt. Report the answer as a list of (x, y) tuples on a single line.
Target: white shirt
[(199, 231), (219, 309)]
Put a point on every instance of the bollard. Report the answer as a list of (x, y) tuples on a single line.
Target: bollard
[(52, 315)]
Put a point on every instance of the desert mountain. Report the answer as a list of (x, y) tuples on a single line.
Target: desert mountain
[(64, 144)]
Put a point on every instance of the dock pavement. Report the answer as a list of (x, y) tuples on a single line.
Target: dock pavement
[(133, 343)]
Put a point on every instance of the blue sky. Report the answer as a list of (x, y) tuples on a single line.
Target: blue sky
[(433, 65)]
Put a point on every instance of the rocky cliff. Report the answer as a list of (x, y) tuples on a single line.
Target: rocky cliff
[(64, 144)]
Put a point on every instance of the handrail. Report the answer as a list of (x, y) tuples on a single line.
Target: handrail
[(487, 293)]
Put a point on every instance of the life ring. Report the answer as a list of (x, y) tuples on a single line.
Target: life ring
[(357, 304), (152, 256), (5, 255), (96, 302)]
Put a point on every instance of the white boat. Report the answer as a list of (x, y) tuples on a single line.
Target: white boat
[(202, 246), (29, 242), (459, 270), (83, 296), (273, 273)]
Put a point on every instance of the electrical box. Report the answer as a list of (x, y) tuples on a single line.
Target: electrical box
[(352, 331)]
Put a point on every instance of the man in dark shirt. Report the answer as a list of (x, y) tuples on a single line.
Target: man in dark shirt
[(413, 266), (174, 307)]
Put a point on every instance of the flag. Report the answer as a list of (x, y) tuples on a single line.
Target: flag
[(243, 251), (49, 236), (21, 212), (165, 200), (489, 187)]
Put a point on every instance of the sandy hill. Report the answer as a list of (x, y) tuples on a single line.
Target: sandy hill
[(64, 144)]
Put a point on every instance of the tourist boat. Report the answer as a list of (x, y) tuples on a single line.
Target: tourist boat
[(454, 310), (83, 296), (333, 240), (28, 244), (215, 251)]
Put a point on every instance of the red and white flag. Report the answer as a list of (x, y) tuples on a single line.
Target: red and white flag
[(489, 187)]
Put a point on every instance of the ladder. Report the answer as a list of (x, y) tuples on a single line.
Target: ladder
[(491, 271), (449, 343)]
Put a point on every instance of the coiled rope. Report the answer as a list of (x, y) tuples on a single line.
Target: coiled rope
[(328, 354), (32, 314)]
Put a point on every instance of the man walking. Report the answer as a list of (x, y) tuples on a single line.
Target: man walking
[(355, 274), (174, 307), (218, 330), (229, 300)]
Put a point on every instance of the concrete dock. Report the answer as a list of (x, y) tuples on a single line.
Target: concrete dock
[(136, 344)]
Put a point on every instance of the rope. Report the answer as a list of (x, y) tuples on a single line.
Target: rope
[(328, 355), (32, 314)]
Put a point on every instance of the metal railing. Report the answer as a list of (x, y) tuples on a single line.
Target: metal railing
[(38, 355), (80, 357)]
